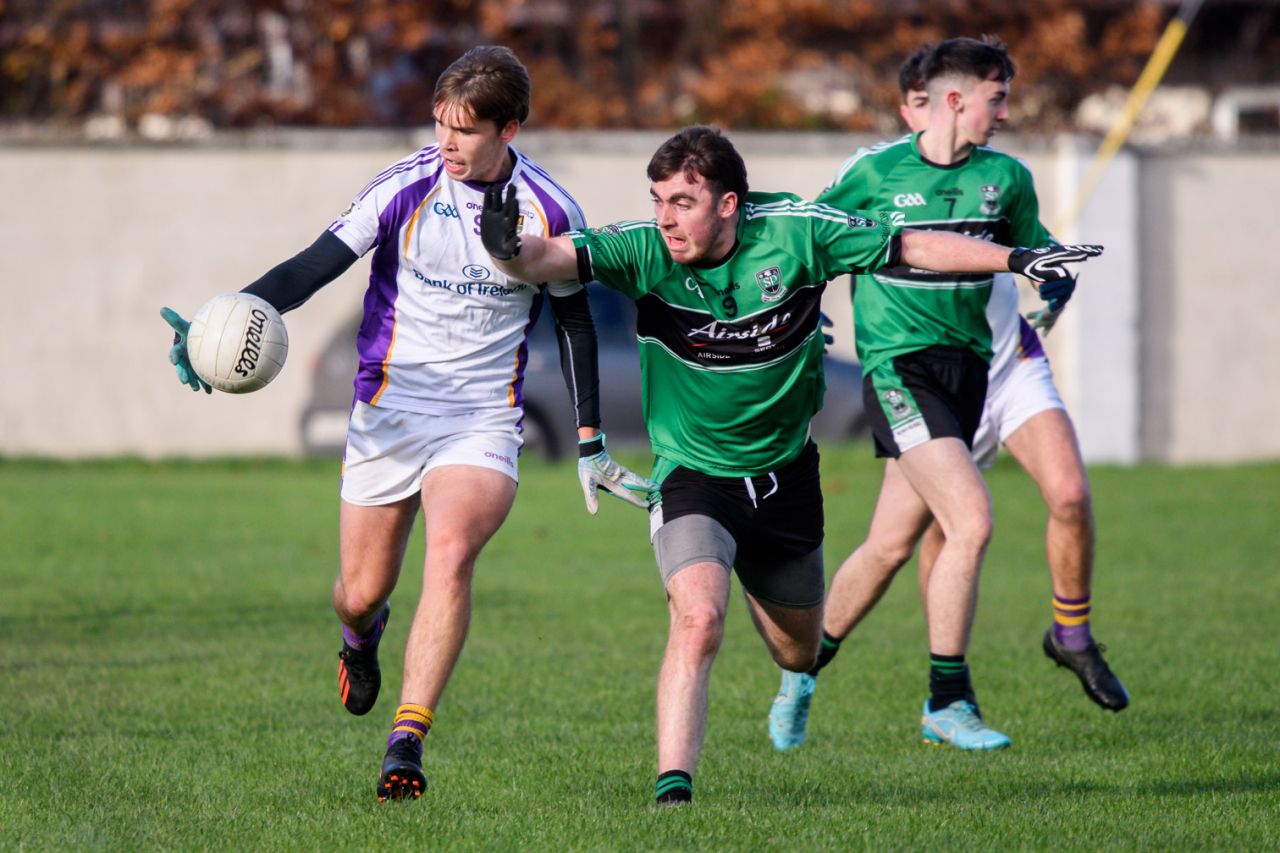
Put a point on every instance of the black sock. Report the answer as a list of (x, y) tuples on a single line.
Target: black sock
[(830, 645), (674, 786), (948, 681)]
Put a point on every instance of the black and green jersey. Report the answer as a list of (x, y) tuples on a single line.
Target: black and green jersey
[(731, 354), (988, 195)]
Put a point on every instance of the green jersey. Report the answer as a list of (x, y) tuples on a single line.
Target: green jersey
[(731, 354), (988, 195)]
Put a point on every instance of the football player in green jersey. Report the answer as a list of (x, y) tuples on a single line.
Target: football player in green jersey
[(925, 343), (727, 285), (1025, 413)]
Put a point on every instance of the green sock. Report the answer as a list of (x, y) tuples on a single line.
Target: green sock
[(830, 645), (674, 786), (948, 681)]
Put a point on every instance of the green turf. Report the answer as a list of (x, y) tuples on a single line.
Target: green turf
[(168, 660)]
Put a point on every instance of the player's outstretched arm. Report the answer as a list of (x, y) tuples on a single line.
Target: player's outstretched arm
[(528, 258), (944, 251), (286, 286), (178, 352)]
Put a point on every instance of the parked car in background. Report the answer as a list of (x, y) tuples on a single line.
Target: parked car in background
[(549, 417)]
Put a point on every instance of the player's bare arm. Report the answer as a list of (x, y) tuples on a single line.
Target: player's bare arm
[(944, 251), (527, 258)]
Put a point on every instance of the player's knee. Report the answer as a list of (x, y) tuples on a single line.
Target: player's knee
[(799, 658), (972, 532), (1072, 503), (889, 556), (354, 602), (699, 629), (452, 556)]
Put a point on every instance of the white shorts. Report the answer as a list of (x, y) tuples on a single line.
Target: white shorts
[(389, 451), (1024, 391)]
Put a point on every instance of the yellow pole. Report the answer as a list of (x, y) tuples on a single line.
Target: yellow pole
[(1150, 77)]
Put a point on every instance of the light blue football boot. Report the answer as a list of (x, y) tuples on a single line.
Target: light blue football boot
[(790, 711), (959, 725)]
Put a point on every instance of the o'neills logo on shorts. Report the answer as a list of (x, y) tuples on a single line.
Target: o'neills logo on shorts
[(252, 350), (506, 460)]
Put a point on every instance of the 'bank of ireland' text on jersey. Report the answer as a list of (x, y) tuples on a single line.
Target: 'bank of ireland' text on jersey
[(445, 331)]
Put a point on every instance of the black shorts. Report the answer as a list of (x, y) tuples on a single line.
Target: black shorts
[(937, 392), (775, 521)]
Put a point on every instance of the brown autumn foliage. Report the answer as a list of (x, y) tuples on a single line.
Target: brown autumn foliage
[(595, 63)]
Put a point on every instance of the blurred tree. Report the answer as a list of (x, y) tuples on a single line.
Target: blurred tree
[(595, 63)]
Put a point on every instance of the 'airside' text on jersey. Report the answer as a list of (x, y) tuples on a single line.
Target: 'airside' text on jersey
[(731, 354)]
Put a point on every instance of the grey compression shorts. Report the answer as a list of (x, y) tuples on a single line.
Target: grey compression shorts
[(797, 581)]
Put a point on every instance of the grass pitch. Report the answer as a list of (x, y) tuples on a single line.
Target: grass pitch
[(168, 662)]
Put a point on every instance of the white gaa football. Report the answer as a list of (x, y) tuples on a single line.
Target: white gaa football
[(237, 342)]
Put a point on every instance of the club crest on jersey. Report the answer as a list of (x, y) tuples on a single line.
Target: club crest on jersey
[(860, 222), (771, 286), (611, 230), (990, 199)]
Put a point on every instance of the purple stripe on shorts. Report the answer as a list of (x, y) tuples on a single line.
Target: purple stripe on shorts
[(1029, 342)]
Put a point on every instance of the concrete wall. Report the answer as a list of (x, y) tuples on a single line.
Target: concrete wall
[(95, 240), (1210, 348)]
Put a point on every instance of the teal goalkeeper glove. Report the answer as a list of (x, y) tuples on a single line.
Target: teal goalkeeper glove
[(596, 469), (178, 352), (1044, 319)]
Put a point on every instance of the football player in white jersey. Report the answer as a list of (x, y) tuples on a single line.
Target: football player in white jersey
[(1024, 412), (436, 421)]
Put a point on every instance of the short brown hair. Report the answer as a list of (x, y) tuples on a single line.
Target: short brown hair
[(984, 59), (705, 151), (490, 82), (911, 73)]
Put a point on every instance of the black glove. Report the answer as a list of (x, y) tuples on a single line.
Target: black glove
[(1049, 263), (1057, 292), (826, 323), (498, 223)]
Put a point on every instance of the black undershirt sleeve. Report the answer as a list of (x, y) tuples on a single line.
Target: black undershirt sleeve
[(584, 265), (576, 335), (895, 251), (291, 283)]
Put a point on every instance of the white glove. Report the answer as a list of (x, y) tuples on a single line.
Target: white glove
[(596, 469), (1044, 319)]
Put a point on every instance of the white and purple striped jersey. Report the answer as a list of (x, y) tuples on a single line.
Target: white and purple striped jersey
[(1012, 338), (444, 331)]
